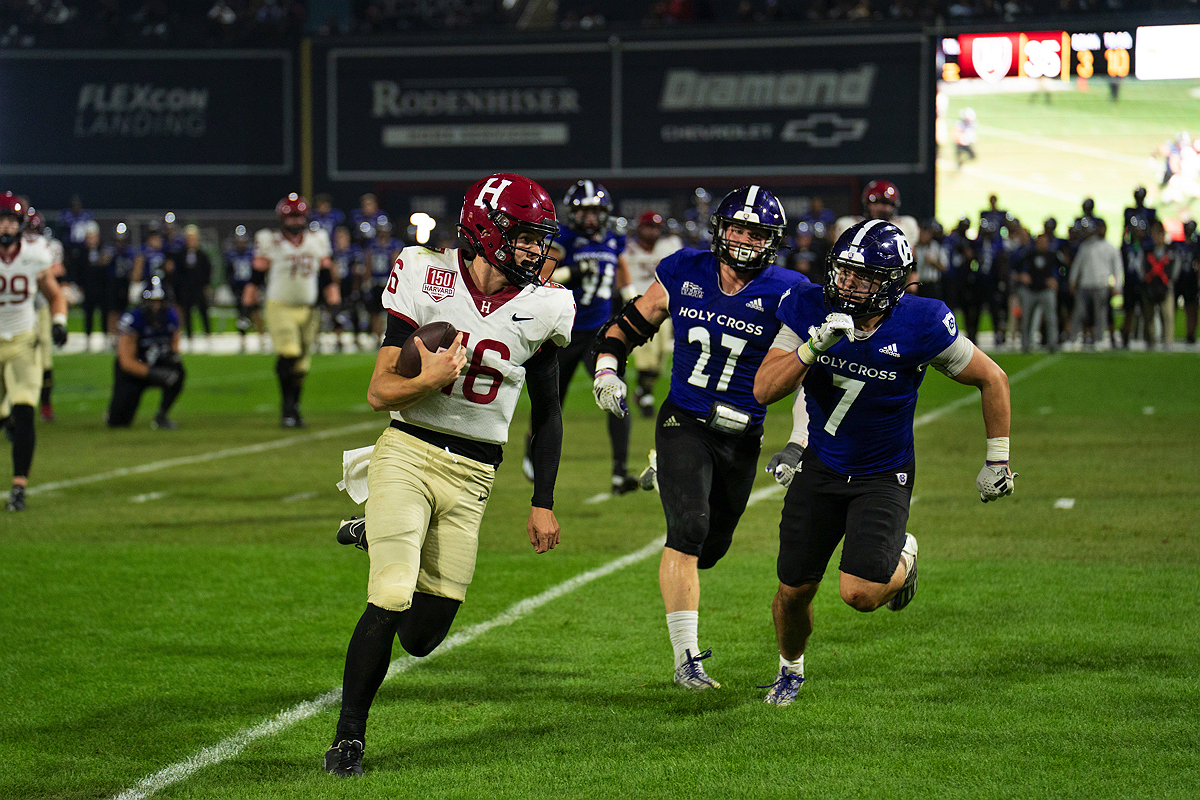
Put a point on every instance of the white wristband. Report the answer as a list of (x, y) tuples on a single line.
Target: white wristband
[(997, 449), (59, 319), (606, 361)]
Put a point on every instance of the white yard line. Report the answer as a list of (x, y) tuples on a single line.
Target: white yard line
[(230, 747), (1062, 146), (200, 458)]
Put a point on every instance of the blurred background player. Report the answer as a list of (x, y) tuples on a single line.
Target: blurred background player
[(809, 250), (35, 228), (379, 254), (147, 356), (966, 133), (348, 271), (288, 260), (593, 267), (649, 246), (880, 200), (1187, 287), (366, 218), (152, 260), (120, 272), (1036, 274), (193, 276), (28, 269), (325, 215), (90, 271), (709, 429), (931, 262), (239, 271)]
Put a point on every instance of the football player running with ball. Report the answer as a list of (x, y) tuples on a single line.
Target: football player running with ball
[(431, 471), (288, 261), (722, 306), (861, 345)]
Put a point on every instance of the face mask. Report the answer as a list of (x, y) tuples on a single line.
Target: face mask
[(294, 229)]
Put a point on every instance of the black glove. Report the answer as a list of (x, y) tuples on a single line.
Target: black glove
[(163, 376), (169, 359), (58, 332), (783, 464)]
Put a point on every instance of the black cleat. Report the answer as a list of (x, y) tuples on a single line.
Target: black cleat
[(344, 759), (624, 484), (292, 422), (162, 423), (353, 531), (16, 500)]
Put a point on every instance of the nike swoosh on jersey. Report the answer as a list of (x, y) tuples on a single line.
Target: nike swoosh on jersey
[(515, 318)]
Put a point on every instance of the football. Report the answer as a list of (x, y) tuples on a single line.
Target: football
[(435, 336)]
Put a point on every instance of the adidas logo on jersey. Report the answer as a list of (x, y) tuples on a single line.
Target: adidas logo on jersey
[(890, 350), (671, 422), (756, 304), (691, 290)]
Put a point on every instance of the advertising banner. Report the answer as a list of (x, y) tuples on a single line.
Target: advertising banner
[(457, 113), (146, 113), (796, 106)]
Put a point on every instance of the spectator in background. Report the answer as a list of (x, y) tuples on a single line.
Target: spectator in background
[(325, 215), (348, 269), (173, 241), (1139, 212), (74, 222), (960, 255), (1036, 276), (380, 253), (809, 252), (120, 271), (931, 262), (1066, 301), (239, 269), (996, 215), (1096, 276), (193, 276), (1187, 287), (365, 219), (152, 260), (1158, 268), (696, 220), (818, 214), (981, 281), (90, 270), (1084, 225), (1136, 240)]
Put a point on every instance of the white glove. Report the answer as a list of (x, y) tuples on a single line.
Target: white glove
[(995, 481), (783, 464), (833, 328), (609, 391), (821, 339)]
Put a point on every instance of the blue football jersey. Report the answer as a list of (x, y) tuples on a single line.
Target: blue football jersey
[(346, 261), (720, 339), (380, 258), (597, 263), (861, 394), (239, 266), (153, 337)]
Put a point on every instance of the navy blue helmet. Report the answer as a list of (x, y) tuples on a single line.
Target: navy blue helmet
[(587, 196), (755, 208), (868, 269)]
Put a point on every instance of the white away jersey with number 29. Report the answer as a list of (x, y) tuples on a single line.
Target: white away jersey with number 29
[(18, 287), (500, 333)]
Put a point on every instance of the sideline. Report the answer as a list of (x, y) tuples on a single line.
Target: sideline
[(232, 746), (200, 458)]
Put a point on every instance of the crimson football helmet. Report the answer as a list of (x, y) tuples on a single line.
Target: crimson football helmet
[(587, 196), (880, 258), (12, 206), (880, 192), (292, 204), (650, 218), (499, 208)]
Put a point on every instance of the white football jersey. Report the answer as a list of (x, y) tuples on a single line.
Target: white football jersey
[(907, 225), (500, 333), (56, 259), (642, 262), (292, 276), (18, 286)]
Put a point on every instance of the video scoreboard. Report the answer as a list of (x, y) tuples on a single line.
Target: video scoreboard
[(1147, 52)]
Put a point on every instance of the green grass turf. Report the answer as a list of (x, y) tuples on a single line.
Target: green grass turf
[(1110, 150), (1049, 652)]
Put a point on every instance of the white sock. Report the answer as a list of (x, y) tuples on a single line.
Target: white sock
[(795, 667), (683, 626)]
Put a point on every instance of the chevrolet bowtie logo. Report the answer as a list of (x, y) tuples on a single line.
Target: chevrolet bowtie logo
[(824, 130)]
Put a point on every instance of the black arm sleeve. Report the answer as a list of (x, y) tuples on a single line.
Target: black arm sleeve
[(541, 376), (398, 331)]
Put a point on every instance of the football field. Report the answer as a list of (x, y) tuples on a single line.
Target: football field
[(1043, 152), (176, 612)]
